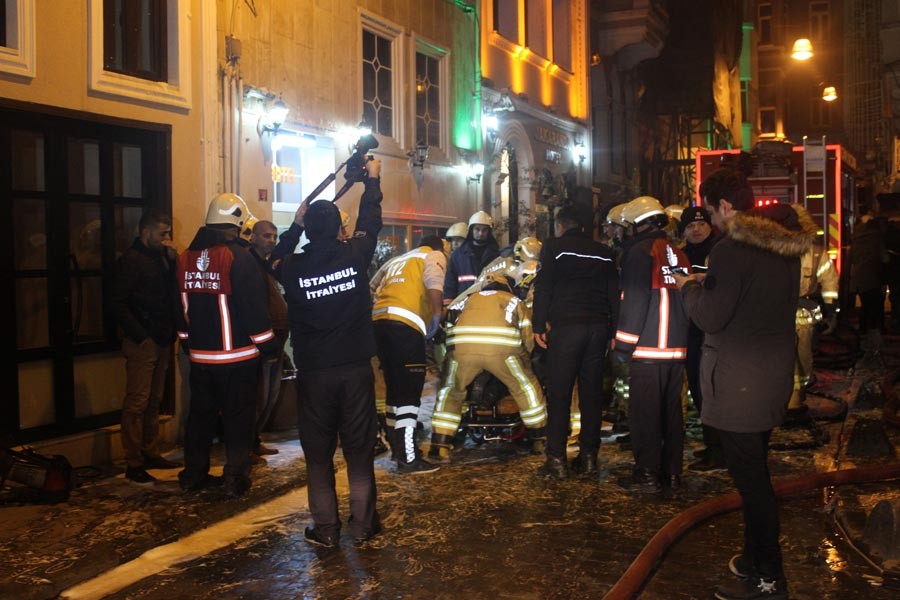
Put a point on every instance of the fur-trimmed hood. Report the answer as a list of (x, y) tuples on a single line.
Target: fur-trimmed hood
[(784, 229)]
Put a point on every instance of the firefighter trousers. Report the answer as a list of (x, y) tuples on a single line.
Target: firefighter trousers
[(514, 370), (655, 416), (803, 365), (339, 401)]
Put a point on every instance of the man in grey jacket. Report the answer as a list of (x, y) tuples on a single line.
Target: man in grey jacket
[(746, 306)]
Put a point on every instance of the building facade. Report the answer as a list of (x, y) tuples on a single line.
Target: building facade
[(536, 113)]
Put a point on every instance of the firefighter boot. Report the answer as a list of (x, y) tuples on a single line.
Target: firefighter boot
[(409, 457), (441, 446)]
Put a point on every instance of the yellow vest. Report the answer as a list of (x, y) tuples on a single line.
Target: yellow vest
[(402, 295)]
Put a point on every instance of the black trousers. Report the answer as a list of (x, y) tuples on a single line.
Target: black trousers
[(692, 367), (229, 391), (575, 352), (401, 352), (746, 455), (655, 417), (339, 401), (871, 311)]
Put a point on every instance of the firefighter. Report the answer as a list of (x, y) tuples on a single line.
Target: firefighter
[(526, 250), (575, 305), (819, 285), (407, 312), (652, 336), (224, 326), (467, 262), (456, 235), (330, 314), (492, 333)]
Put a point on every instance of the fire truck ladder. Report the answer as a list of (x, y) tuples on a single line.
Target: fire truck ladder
[(815, 160)]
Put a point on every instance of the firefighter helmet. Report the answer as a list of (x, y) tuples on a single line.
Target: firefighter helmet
[(673, 211), (614, 215), (228, 209), (247, 229), (457, 230), (481, 218), (528, 248), (640, 209)]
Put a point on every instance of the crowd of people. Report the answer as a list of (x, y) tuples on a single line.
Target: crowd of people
[(725, 297)]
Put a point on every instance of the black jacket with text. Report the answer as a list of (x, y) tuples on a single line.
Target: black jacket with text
[(327, 291)]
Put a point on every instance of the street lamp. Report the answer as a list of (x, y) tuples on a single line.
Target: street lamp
[(802, 49), (829, 94)]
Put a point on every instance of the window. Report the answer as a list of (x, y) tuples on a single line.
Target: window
[(378, 83), (141, 49), (300, 159), (17, 37), (134, 38), (428, 99), (819, 22), (562, 31), (767, 122), (765, 24), (506, 19), (536, 26)]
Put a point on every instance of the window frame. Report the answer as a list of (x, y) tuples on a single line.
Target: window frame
[(774, 112), (769, 19), (394, 34), (175, 92), (432, 50), (157, 28), (817, 33), (18, 58)]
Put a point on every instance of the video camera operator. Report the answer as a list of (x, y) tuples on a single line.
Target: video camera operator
[(330, 314)]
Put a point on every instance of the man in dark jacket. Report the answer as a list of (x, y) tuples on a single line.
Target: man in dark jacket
[(699, 238), (576, 300), (224, 324), (467, 261), (145, 305), (330, 314), (747, 305), (652, 335)]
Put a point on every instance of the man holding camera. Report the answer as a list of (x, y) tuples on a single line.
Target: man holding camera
[(330, 314)]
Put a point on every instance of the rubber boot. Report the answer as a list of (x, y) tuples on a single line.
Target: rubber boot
[(441, 447), (538, 437)]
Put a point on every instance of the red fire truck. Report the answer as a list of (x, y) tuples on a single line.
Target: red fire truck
[(820, 176)]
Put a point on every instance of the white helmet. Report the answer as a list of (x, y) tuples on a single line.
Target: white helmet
[(228, 209), (673, 211), (526, 272), (641, 209), (457, 230), (614, 215), (481, 218)]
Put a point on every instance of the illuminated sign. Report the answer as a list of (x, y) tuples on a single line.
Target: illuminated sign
[(283, 174), (551, 137)]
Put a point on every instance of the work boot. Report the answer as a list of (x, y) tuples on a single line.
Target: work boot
[(439, 454), (538, 436), (754, 588), (263, 450), (644, 481), (158, 462), (554, 468), (585, 464), (140, 476), (539, 446), (709, 462)]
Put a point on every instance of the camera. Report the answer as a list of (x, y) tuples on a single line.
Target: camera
[(356, 164)]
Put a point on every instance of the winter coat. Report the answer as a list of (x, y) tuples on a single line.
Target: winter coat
[(746, 306), (144, 298), (465, 266)]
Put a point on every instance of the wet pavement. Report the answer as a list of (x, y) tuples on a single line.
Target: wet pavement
[(484, 527)]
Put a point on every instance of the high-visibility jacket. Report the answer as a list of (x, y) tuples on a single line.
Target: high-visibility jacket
[(402, 294), (224, 318), (817, 274), (653, 325), (491, 321)]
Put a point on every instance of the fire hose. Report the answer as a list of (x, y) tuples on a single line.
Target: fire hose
[(631, 581)]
